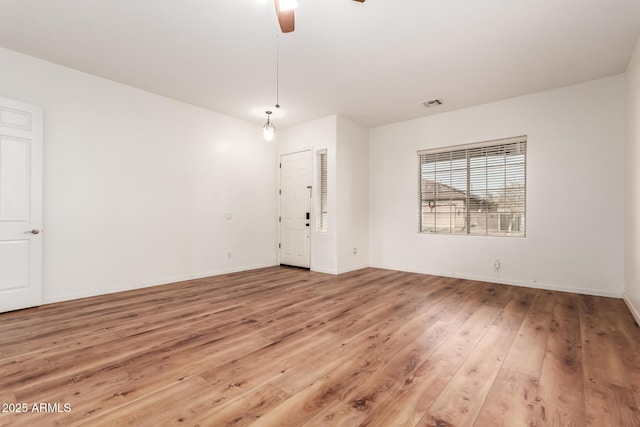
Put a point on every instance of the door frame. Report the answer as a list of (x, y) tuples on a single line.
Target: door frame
[(312, 219), (36, 202)]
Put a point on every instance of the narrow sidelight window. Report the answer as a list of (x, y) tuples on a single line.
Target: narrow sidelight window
[(321, 202)]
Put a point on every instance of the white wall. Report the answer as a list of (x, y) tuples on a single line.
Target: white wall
[(575, 191), (136, 186), (352, 176), (347, 190), (632, 207), (316, 135)]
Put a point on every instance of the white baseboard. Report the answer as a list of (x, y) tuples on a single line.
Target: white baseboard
[(336, 272), (141, 285), (549, 287), (349, 269), (86, 294), (324, 270), (536, 285), (552, 287), (634, 311)]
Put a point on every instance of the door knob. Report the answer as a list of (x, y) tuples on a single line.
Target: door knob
[(34, 231)]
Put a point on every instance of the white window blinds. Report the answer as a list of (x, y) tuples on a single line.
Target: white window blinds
[(475, 189), (321, 194)]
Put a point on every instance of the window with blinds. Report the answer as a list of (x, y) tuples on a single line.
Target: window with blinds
[(321, 194), (475, 189)]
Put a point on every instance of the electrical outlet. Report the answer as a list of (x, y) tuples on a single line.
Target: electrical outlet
[(355, 251), (496, 265), (228, 254)]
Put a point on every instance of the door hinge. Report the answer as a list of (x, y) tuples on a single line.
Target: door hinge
[(279, 245), (279, 219), (280, 166), (280, 192)]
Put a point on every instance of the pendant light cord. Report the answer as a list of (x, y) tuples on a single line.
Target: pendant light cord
[(277, 70)]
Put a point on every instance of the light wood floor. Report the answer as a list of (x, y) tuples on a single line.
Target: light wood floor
[(281, 346)]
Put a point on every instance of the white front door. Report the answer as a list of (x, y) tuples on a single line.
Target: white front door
[(295, 209), (20, 205)]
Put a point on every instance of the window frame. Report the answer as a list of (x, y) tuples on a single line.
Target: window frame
[(322, 202), (464, 164)]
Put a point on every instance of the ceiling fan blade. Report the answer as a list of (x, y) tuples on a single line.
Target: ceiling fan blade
[(285, 18)]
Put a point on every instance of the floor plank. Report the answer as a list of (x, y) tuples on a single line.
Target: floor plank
[(510, 400), (530, 344), (461, 400), (609, 398), (560, 397), (425, 384)]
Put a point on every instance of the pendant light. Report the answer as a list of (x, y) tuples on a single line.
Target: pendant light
[(268, 129)]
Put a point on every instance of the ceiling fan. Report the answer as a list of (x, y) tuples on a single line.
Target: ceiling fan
[(285, 14)]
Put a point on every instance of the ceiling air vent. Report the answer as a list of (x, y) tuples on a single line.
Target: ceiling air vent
[(432, 103)]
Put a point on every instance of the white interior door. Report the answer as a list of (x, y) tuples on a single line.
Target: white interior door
[(295, 209), (20, 205)]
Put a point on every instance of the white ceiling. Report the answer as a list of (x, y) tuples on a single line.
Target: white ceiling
[(373, 62)]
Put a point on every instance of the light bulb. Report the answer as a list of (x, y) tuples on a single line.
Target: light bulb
[(268, 130)]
